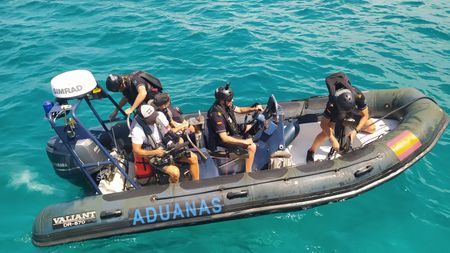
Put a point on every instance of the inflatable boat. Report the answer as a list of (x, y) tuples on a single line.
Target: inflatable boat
[(408, 125)]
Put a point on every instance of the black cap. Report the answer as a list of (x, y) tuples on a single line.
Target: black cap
[(113, 82), (148, 114)]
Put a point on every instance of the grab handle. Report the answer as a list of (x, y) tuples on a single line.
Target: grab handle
[(240, 194), (363, 171), (110, 214)]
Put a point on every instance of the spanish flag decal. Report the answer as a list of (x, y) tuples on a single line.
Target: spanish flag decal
[(404, 144)]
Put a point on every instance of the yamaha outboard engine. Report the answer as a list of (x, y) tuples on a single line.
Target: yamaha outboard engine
[(65, 166)]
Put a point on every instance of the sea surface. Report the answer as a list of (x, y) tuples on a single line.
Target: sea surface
[(285, 48)]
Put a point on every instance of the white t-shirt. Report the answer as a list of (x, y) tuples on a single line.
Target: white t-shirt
[(138, 136), (163, 123)]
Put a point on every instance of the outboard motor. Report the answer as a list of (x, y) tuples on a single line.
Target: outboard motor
[(65, 166)]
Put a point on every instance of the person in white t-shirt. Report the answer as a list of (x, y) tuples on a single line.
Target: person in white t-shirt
[(150, 145)]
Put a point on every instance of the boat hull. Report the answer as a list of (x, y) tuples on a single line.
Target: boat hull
[(421, 123)]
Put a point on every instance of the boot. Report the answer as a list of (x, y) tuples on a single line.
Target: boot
[(310, 156)]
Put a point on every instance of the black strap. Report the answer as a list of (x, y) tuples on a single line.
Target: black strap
[(168, 113), (148, 132), (150, 79), (343, 140)]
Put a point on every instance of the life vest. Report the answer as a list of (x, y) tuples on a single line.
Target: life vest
[(152, 84), (142, 167), (231, 126)]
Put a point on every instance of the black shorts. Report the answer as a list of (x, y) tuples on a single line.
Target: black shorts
[(233, 148), (162, 168)]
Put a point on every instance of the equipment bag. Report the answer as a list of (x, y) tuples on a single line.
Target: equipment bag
[(151, 79)]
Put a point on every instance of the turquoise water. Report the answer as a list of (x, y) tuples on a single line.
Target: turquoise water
[(262, 47)]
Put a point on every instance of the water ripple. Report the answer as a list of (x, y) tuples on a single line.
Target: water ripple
[(263, 47)]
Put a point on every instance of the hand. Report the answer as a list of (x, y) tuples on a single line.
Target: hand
[(185, 125), (113, 115), (335, 144), (159, 152), (352, 135), (258, 108), (129, 111), (248, 142)]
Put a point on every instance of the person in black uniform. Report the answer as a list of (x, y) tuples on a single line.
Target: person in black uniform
[(137, 88), (223, 128), (345, 102)]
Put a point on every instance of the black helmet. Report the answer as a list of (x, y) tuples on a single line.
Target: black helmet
[(113, 82), (345, 100), (224, 93)]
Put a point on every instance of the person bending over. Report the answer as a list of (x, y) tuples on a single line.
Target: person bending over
[(137, 88), (345, 102)]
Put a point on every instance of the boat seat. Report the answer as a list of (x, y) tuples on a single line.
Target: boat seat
[(227, 162), (208, 168), (223, 153)]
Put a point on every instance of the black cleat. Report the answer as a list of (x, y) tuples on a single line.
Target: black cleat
[(310, 157)]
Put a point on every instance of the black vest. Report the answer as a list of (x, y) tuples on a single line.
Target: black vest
[(148, 134), (151, 83), (231, 125)]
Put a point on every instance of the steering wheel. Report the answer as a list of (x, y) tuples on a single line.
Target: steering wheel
[(256, 122), (253, 119)]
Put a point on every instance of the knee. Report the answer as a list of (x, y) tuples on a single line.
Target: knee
[(371, 128), (193, 159), (252, 148), (173, 171), (324, 124)]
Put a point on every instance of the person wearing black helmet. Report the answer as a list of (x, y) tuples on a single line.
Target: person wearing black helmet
[(223, 128), (345, 102), (137, 88)]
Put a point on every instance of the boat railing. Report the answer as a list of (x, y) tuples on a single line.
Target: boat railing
[(73, 130)]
